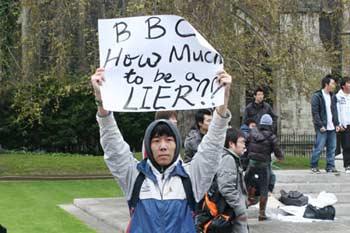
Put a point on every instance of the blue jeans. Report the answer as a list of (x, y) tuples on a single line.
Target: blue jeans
[(327, 139)]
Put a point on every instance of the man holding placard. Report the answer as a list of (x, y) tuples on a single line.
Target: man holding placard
[(161, 202), (152, 63)]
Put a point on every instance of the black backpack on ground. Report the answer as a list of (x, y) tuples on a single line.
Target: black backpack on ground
[(325, 213), (293, 198)]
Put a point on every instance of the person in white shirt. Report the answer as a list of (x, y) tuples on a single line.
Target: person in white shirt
[(343, 107), (325, 119)]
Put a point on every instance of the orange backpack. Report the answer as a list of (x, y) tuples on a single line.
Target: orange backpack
[(215, 215)]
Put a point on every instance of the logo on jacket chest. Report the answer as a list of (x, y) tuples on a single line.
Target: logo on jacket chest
[(145, 187), (342, 100)]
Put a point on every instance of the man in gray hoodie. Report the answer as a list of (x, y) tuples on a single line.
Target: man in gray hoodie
[(162, 203), (227, 191)]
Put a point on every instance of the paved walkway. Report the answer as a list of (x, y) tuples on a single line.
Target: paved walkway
[(107, 215)]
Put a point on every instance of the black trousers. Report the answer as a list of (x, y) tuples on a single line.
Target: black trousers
[(345, 144), (258, 177)]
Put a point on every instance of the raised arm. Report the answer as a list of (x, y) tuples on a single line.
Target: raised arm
[(225, 80), (205, 162), (97, 80), (117, 153)]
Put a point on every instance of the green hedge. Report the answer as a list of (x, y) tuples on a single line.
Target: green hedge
[(55, 115)]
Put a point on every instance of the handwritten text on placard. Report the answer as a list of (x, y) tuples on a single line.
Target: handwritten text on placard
[(157, 62)]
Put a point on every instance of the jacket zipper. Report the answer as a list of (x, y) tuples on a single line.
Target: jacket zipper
[(161, 191)]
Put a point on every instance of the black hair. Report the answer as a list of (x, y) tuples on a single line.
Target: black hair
[(259, 89), (162, 129), (249, 121), (232, 135), (326, 80), (199, 116), (343, 81)]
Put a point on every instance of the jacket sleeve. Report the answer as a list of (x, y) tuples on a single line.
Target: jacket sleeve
[(226, 178), (245, 114), (315, 110), (273, 116), (117, 154), (276, 148), (335, 111), (204, 163), (189, 148), (339, 111)]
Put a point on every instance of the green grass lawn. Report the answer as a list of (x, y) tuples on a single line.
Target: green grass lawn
[(31, 207), (30, 164), (293, 162)]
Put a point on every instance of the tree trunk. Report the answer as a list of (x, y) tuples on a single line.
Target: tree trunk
[(185, 122), (83, 65), (234, 103), (26, 45)]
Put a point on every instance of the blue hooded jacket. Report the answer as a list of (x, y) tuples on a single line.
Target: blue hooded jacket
[(162, 205)]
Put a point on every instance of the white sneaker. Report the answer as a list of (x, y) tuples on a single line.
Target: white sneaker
[(347, 170)]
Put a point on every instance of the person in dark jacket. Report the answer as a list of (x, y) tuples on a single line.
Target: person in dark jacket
[(245, 129), (203, 118), (262, 142), (325, 120), (259, 107)]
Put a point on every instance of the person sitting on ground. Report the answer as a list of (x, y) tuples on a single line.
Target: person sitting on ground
[(162, 203), (262, 142), (203, 118)]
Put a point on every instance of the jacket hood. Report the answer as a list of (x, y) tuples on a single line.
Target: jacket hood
[(341, 93), (147, 140), (228, 151), (261, 134)]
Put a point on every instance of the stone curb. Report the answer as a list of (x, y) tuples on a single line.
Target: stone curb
[(55, 177)]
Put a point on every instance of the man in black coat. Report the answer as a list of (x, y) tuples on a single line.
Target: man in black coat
[(325, 120), (259, 107)]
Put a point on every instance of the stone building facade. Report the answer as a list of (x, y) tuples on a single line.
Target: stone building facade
[(290, 101)]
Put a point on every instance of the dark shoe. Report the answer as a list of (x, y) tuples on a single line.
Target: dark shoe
[(263, 218), (332, 170), (315, 170)]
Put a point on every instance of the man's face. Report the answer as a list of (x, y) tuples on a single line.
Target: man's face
[(252, 125), (203, 127), (331, 86), (163, 149), (346, 88), (173, 120), (259, 97), (238, 147)]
